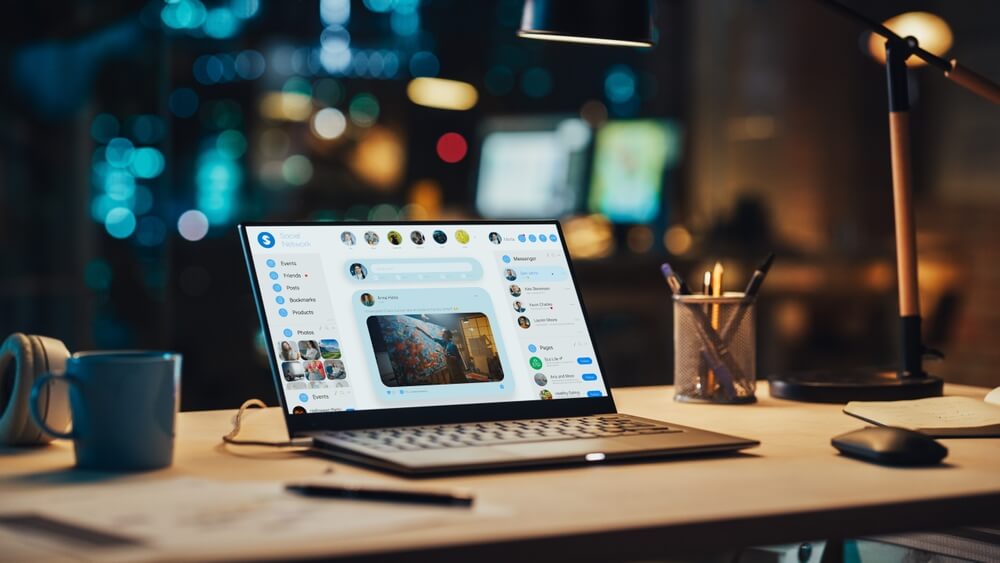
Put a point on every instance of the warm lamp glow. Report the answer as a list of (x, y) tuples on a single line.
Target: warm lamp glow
[(441, 93), (290, 106), (931, 32)]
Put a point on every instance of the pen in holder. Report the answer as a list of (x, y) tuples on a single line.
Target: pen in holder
[(715, 349)]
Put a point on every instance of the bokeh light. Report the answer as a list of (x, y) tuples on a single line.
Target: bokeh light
[(183, 102), (932, 32), (329, 123), (297, 170), (379, 6), (150, 231), (119, 152), (424, 63), (335, 39), (452, 148), (218, 179), (328, 91), (499, 80), (442, 94), (192, 225), (536, 82), (231, 144), (250, 64), (335, 12), (364, 110), (221, 23), (405, 24), (245, 9), (120, 222), (148, 162), (104, 127), (619, 84), (146, 129)]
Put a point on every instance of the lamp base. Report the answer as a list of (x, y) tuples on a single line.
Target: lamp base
[(853, 385)]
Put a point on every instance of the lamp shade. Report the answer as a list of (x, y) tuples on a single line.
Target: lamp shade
[(601, 22)]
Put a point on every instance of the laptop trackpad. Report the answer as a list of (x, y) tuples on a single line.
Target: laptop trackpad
[(565, 448)]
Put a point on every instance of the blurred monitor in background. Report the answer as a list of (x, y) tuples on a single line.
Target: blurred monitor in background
[(630, 158), (531, 167)]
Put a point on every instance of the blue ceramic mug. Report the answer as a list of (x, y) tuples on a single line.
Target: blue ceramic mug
[(124, 408)]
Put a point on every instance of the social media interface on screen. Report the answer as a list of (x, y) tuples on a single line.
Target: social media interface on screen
[(367, 317)]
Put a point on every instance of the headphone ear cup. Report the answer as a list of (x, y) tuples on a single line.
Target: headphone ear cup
[(24, 358)]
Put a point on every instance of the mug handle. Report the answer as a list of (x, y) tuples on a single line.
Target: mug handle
[(36, 390)]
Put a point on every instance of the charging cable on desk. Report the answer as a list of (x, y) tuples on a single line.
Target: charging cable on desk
[(238, 424)]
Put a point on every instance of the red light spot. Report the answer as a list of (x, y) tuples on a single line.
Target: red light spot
[(451, 147)]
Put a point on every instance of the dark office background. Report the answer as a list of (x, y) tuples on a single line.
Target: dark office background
[(134, 135)]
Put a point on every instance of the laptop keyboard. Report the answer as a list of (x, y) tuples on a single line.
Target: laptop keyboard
[(431, 437)]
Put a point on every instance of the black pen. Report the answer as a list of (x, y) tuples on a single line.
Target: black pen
[(385, 494), (756, 280)]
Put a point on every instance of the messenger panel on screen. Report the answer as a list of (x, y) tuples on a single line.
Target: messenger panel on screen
[(364, 317)]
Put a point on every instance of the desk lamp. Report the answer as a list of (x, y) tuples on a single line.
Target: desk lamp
[(630, 23)]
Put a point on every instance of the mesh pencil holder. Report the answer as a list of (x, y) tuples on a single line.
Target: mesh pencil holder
[(715, 349)]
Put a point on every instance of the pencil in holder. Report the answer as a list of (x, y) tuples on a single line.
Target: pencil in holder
[(715, 349)]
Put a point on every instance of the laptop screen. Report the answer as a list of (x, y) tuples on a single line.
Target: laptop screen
[(362, 316)]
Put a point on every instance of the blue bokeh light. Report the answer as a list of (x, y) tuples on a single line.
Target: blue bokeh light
[(148, 162), (183, 102), (104, 128), (120, 222), (619, 84), (119, 152), (424, 63), (536, 82), (221, 23)]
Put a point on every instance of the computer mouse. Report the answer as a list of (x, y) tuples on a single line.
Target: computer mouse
[(890, 446)]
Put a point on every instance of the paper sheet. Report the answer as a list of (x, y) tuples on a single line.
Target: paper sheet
[(196, 519), (933, 413)]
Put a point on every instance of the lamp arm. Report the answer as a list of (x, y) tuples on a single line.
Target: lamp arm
[(971, 81)]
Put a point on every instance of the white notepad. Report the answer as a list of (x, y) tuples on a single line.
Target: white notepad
[(937, 416)]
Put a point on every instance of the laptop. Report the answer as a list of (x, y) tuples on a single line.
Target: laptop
[(439, 347)]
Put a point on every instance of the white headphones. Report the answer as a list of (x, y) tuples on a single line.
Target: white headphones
[(23, 359)]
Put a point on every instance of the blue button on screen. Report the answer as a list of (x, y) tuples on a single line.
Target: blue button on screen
[(521, 238), (270, 263), (589, 377), (594, 393), (584, 361), (303, 397), (273, 275), (532, 238)]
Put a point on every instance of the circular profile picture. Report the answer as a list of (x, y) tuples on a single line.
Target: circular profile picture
[(540, 379), (395, 238), (495, 238), (439, 237), (523, 322), (545, 394), (417, 237), (462, 236), (299, 409), (510, 274), (367, 299), (519, 307), (358, 271), (371, 237), (515, 290), (347, 237)]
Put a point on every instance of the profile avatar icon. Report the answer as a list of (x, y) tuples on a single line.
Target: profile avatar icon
[(395, 238), (299, 409), (540, 379), (439, 237), (523, 322), (545, 395), (519, 307), (358, 271), (462, 236), (371, 237), (510, 274), (515, 290), (367, 299), (417, 237), (347, 237), (495, 238)]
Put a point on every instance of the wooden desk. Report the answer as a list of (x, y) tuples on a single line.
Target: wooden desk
[(794, 487)]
